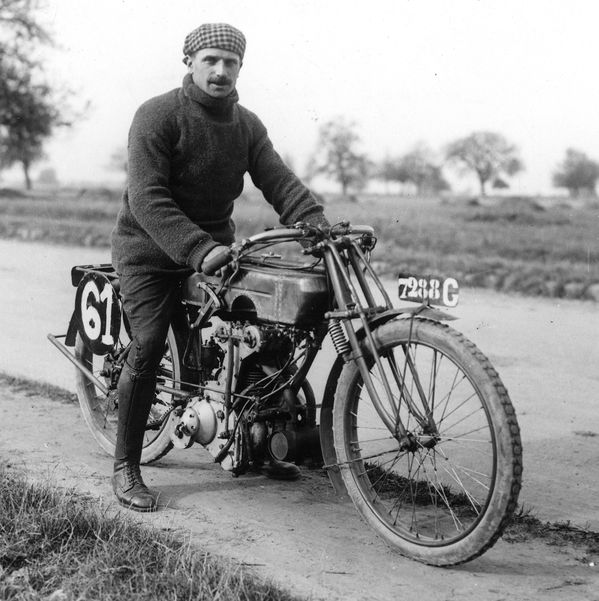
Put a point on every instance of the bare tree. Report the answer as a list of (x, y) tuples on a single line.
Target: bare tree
[(337, 155), (488, 154)]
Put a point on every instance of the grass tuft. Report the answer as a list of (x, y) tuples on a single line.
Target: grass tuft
[(31, 387), (524, 525), (58, 544)]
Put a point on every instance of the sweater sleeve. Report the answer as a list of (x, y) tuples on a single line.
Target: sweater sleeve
[(151, 141), (290, 198)]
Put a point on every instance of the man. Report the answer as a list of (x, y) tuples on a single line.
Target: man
[(188, 152)]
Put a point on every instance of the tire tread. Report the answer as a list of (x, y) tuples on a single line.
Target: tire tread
[(455, 557)]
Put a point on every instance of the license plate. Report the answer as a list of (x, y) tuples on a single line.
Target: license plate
[(431, 290)]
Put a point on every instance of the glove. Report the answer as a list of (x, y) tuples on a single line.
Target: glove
[(214, 253)]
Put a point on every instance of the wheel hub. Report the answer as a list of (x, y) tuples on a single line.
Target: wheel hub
[(413, 442)]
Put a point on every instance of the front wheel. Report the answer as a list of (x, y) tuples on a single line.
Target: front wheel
[(100, 410), (442, 488)]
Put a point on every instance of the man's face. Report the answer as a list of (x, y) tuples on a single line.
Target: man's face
[(215, 71)]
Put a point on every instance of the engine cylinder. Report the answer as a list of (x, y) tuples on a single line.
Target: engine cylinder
[(297, 446)]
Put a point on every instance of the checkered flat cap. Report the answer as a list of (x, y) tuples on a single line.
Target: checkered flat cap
[(215, 35)]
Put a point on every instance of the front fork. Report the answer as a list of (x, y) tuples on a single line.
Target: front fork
[(350, 307)]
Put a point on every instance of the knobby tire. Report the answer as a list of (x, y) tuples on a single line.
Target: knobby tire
[(445, 493)]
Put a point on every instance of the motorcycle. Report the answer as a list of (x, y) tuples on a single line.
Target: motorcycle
[(415, 425)]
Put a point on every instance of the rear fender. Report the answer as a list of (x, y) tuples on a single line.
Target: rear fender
[(326, 411), (72, 330)]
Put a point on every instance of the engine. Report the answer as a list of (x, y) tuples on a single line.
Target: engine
[(247, 410)]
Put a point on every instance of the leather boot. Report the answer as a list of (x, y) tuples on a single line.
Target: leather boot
[(280, 470), (130, 489), (136, 395)]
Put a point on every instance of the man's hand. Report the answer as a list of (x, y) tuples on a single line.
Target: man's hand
[(214, 252)]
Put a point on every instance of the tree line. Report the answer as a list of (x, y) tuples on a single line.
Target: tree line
[(31, 109), (487, 155)]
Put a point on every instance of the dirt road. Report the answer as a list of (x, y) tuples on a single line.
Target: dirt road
[(299, 534)]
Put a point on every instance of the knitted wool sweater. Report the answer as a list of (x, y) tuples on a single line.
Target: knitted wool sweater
[(188, 153)]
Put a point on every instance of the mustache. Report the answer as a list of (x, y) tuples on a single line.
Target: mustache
[(220, 80)]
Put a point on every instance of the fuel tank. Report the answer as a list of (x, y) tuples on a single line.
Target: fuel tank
[(285, 294)]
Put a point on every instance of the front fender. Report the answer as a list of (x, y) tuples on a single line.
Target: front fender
[(328, 399)]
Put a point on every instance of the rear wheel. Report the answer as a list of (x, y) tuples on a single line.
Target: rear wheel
[(443, 492), (100, 410)]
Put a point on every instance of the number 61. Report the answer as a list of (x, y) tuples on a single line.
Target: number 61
[(98, 309)]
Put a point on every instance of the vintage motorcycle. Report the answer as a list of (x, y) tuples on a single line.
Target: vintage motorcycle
[(414, 425)]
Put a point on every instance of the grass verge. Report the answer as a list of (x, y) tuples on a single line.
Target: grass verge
[(34, 388), (524, 526), (57, 544)]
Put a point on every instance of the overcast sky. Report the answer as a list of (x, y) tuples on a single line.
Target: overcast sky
[(405, 71)]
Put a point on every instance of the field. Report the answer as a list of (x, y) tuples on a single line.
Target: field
[(539, 247)]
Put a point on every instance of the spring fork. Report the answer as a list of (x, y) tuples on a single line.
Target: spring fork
[(338, 337), (347, 297), (357, 258)]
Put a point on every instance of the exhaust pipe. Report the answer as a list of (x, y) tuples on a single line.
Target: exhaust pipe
[(92, 378), (88, 374)]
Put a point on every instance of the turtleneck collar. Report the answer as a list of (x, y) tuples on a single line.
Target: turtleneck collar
[(219, 106)]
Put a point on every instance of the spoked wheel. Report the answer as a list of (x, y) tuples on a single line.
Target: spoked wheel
[(100, 410), (443, 491)]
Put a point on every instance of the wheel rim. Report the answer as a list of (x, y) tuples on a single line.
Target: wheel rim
[(103, 409), (434, 487)]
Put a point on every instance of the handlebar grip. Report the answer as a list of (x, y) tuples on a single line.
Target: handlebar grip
[(211, 266)]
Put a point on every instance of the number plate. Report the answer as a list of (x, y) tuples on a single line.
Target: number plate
[(435, 291), (98, 312)]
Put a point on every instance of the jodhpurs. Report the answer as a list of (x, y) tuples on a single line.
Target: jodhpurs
[(149, 301)]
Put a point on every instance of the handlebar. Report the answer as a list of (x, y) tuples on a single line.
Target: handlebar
[(346, 229), (300, 231)]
